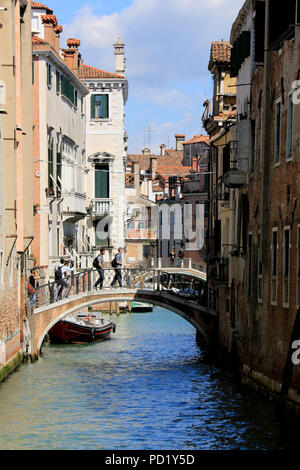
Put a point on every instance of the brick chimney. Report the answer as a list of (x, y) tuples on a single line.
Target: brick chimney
[(162, 149), (136, 167), (180, 138), (72, 56), (153, 167), (58, 30), (50, 23)]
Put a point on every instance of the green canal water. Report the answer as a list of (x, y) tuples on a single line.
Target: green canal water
[(148, 387)]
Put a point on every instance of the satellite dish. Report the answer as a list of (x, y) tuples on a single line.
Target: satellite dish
[(143, 172)]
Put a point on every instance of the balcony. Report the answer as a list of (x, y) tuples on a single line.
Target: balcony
[(218, 270), (234, 178), (73, 206), (101, 207)]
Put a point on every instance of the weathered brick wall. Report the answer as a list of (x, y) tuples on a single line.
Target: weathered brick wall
[(268, 327), (9, 312)]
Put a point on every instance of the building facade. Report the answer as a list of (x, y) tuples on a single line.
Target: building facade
[(59, 144), (106, 150), (16, 194)]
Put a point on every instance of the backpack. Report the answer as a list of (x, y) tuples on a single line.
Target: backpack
[(30, 290), (96, 263), (58, 274), (114, 262)]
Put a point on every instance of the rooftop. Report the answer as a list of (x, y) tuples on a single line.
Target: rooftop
[(86, 71), (220, 53), (41, 6), (198, 139)]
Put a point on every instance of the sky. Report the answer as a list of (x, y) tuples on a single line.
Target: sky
[(167, 48)]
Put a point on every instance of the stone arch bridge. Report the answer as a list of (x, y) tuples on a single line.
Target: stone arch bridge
[(182, 290)]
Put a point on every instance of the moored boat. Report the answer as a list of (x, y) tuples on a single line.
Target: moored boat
[(82, 327), (141, 307)]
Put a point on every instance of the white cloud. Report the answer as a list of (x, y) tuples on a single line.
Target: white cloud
[(167, 45)]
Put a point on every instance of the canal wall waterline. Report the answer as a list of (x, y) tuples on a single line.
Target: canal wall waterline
[(11, 365)]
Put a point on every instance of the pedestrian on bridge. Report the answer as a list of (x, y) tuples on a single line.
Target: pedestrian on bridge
[(60, 278), (118, 263), (99, 265), (180, 258)]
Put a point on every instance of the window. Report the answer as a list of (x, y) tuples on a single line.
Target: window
[(286, 266), (289, 139), (131, 226), (99, 107), (277, 132), (57, 82), (141, 225), (58, 169), (252, 150), (259, 268), (274, 266), (50, 167), (249, 265), (67, 89), (102, 181), (49, 75)]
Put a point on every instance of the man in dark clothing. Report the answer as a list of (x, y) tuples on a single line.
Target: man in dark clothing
[(118, 268), (100, 269)]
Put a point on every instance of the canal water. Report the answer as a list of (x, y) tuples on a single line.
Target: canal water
[(148, 387)]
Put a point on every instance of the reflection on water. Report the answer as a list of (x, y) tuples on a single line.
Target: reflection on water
[(148, 387)]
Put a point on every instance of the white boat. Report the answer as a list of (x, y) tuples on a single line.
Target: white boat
[(141, 307)]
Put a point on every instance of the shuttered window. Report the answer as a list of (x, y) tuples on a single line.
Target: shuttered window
[(67, 89), (99, 107), (102, 182)]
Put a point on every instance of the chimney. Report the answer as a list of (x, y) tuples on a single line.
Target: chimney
[(162, 149), (180, 138), (120, 57), (153, 167), (146, 151), (58, 30), (50, 23), (136, 169), (72, 56)]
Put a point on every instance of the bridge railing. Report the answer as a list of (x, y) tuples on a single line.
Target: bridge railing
[(133, 278), (174, 283), (186, 263)]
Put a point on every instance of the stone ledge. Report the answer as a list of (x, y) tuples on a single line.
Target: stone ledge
[(11, 366)]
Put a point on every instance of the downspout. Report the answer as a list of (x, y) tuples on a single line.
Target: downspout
[(265, 202)]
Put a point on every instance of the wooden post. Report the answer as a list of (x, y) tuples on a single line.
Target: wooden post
[(118, 308)]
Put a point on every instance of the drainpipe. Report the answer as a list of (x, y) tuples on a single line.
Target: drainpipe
[(265, 202)]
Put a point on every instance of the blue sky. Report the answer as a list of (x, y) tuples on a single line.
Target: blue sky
[(167, 52)]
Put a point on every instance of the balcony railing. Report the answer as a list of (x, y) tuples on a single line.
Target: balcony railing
[(218, 270), (101, 207)]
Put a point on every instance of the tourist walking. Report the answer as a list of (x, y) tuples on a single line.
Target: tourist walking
[(172, 256), (31, 287), (61, 279), (99, 265), (180, 258), (117, 263)]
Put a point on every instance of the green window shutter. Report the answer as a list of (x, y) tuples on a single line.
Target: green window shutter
[(49, 77), (57, 82), (102, 182), (245, 44), (93, 107), (104, 106)]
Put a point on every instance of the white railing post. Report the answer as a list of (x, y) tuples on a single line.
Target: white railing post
[(190, 263), (159, 263)]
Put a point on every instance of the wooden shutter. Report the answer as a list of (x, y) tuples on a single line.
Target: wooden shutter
[(104, 106), (102, 182), (93, 107)]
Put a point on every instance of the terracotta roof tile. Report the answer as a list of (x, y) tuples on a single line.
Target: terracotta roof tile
[(37, 40), (225, 115), (86, 71), (198, 139), (220, 53), (41, 6)]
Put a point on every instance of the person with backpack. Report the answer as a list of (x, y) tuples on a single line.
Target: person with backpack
[(60, 279), (99, 265), (117, 264)]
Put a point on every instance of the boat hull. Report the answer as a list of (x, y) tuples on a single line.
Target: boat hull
[(67, 332)]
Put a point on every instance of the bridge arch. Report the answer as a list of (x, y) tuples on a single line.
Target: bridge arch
[(124, 298)]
